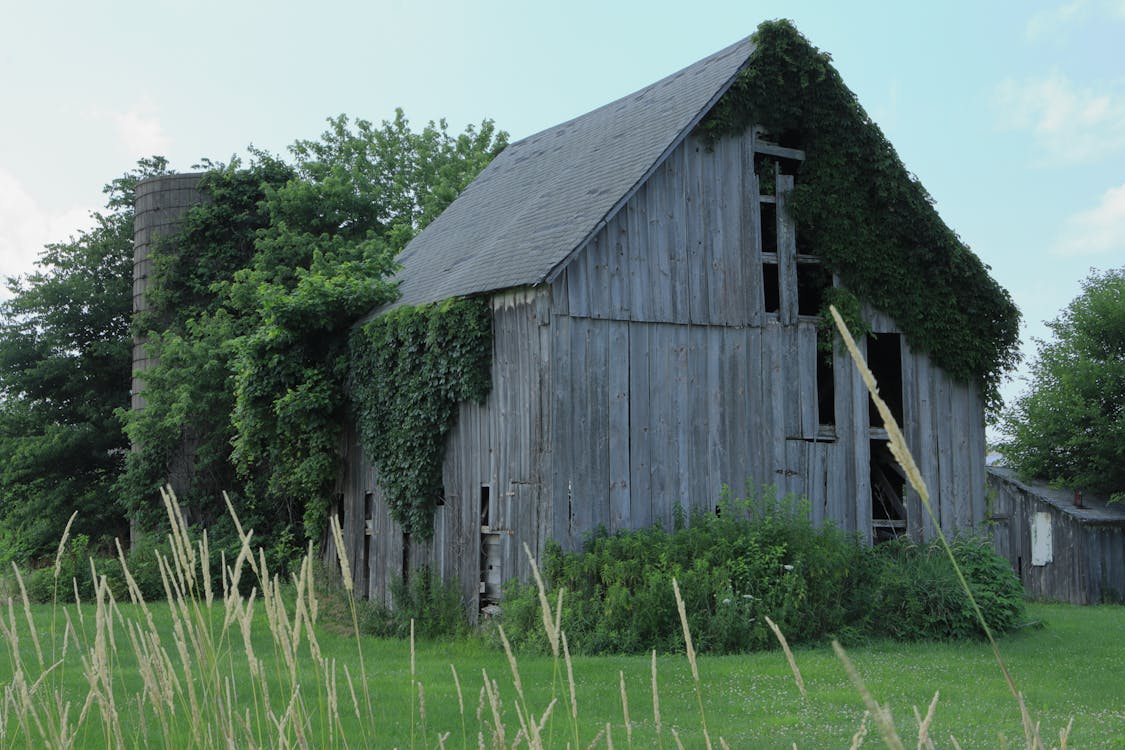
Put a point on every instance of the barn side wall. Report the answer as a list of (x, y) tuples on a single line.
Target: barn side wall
[(494, 500), (1060, 552), (672, 380)]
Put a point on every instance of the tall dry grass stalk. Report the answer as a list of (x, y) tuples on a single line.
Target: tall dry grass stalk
[(902, 454)]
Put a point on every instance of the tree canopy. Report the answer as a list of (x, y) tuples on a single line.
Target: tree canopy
[(251, 307), (1069, 427), (65, 358)]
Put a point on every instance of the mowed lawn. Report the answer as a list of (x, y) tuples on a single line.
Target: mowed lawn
[(1071, 666)]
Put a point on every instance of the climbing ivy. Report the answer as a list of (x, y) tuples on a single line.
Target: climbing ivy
[(410, 368), (871, 222)]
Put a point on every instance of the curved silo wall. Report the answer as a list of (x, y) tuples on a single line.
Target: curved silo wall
[(160, 204)]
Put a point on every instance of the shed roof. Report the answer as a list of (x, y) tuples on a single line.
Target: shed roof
[(544, 196)]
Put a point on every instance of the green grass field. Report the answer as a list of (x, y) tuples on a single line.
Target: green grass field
[(1070, 667)]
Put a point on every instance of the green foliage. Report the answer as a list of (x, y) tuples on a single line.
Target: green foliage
[(760, 558), (76, 569), (410, 368), (251, 307), (433, 606), (919, 597), (850, 309), (190, 328), (1069, 427), (870, 220), (65, 361)]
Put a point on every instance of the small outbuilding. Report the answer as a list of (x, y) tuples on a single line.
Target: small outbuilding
[(1065, 545), (657, 334)]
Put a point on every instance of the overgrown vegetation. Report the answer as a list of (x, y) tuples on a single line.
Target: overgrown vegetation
[(858, 208), (251, 308), (1069, 426), (410, 368), (761, 558)]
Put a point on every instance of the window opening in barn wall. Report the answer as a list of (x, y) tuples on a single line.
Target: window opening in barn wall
[(888, 482), (770, 288), (490, 573), (825, 394), (884, 358), (368, 533), (775, 165)]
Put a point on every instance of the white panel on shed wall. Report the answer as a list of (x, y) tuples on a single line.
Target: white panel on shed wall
[(1042, 550)]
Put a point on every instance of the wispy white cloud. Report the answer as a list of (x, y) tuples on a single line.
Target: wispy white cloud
[(1049, 20), (1096, 231), (1071, 124), (138, 129), (26, 227)]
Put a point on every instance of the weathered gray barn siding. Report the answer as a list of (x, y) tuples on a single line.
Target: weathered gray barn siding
[(1087, 546), (498, 445), (671, 381)]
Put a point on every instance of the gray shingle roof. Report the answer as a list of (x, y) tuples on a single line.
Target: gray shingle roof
[(544, 196)]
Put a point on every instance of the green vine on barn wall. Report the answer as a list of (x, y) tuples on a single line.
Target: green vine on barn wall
[(857, 207), (411, 367)]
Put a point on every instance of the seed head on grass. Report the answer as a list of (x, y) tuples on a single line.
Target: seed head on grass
[(656, 702), (789, 656), (881, 714), (550, 625), (62, 544), (924, 742), (691, 660), (625, 709)]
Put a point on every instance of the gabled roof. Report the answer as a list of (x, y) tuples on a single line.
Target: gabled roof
[(543, 197)]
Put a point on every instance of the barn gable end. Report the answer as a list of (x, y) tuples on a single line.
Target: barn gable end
[(655, 339)]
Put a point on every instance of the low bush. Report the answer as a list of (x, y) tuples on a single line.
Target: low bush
[(74, 576), (759, 558), (434, 606), (918, 595)]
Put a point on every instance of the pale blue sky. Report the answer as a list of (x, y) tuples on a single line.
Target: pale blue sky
[(1012, 114)]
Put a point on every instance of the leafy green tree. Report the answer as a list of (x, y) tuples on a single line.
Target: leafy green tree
[(1069, 427), (252, 304), (325, 259), (65, 359)]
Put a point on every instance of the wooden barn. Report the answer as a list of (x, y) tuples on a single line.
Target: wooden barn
[(655, 328)]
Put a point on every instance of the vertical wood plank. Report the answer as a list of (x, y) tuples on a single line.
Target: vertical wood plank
[(773, 427), (861, 448), (786, 252), (730, 267), (562, 429), (808, 417), (640, 426), (757, 410), (640, 255), (696, 207), (943, 399), (978, 450), (619, 424), (911, 431), (751, 240)]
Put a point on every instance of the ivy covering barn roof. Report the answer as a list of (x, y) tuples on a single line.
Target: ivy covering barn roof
[(855, 205)]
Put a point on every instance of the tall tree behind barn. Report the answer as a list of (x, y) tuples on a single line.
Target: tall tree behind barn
[(656, 319)]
